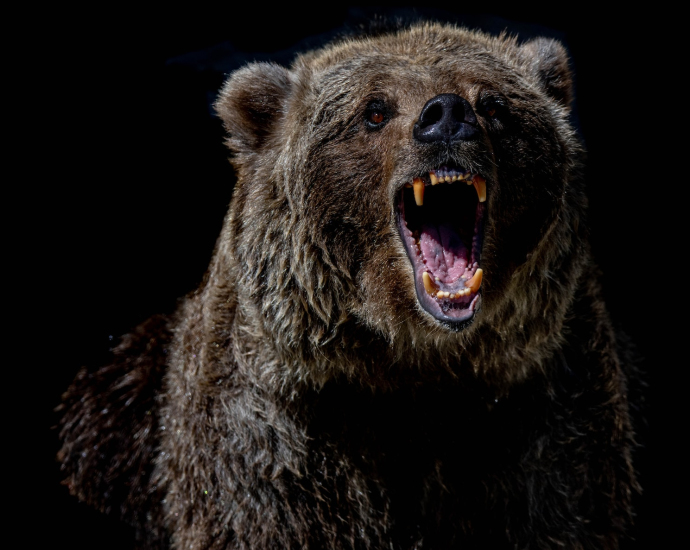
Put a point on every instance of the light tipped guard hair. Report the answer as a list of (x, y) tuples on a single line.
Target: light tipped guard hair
[(548, 60), (250, 103)]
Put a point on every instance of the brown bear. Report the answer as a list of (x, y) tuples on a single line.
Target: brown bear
[(400, 342)]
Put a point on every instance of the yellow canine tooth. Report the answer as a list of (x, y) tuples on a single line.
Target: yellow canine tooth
[(476, 281), (418, 185), (429, 285), (454, 178), (480, 185), (433, 178)]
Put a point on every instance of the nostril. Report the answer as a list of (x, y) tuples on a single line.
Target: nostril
[(431, 115)]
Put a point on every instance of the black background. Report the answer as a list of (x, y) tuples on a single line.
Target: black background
[(128, 183)]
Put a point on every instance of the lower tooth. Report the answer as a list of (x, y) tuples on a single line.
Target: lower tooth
[(475, 282), (429, 286)]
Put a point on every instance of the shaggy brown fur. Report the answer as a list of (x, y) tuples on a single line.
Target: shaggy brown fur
[(303, 398)]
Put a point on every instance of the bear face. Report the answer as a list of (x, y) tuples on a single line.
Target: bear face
[(344, 154)]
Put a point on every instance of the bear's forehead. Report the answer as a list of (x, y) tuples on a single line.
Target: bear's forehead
[(425, 57), (401, 69)]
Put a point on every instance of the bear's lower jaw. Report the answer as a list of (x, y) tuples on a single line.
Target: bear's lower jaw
[(442, 228)]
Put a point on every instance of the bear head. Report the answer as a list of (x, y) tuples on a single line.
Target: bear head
[(416, 191)]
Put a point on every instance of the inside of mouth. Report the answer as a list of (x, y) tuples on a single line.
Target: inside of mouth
[(443, 239)]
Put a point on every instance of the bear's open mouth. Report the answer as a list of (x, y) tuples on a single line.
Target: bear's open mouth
[(441, 221)]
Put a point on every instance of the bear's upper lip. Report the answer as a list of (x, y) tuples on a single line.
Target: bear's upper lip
[(441, 227)]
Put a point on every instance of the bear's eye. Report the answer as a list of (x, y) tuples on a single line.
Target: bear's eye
[(490, 107), (376, 114)]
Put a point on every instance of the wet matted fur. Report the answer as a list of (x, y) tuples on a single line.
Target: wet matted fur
[(305, 396)]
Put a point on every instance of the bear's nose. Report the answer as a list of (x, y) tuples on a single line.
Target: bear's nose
[(446, 117)]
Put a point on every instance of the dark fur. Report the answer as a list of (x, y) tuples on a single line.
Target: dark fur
[(301, 398)]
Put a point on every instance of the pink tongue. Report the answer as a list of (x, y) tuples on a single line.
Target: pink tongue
[(445, 254)]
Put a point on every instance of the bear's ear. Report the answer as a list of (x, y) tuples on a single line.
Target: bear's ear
[(250, 103), (548, 61)]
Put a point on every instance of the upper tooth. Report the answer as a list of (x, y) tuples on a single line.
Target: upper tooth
[(418, 185), (480, 185), (440, 176)]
